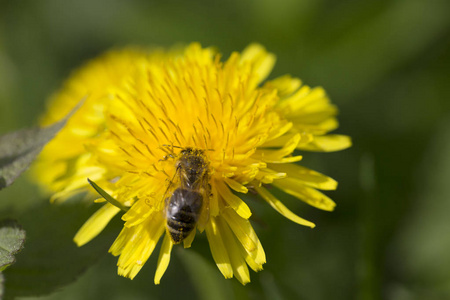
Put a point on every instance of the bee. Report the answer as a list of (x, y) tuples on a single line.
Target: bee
[(190, 190)]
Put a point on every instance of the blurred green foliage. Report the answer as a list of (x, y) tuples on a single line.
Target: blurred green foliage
[(384, 63)]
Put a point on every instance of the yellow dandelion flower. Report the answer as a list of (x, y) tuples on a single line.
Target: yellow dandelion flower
[(175, 137)]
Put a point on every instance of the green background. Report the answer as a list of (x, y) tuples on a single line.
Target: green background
[(386, 64)]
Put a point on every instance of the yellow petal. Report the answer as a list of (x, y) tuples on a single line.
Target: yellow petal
[(164, 258), (242, 229), (121, 240), (303, 98), (255, 259), (276, 132), (279, 207), (286, 85), (307, 194), (234, 201), (314, 115), (78, 179), (267, 175), (318, 127), (235, 185), (63, 195), (129, 272), (214, 201), (204, 215), (218, 248), (279, 156), (140, 245), (187, 242), (95, 224), (282, 140), (262, 61), (137, 213), (327, 143), (100, 200), (306, 176), (238, 263)]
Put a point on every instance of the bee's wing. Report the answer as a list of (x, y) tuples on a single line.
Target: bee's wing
[(172, 184), (204, 213)]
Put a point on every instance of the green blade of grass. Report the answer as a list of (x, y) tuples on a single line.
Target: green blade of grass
[(107, 196)]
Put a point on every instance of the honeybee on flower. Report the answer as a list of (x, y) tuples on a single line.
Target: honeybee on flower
[(176, 137), (185, 205)]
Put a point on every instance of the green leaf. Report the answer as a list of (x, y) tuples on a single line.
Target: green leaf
[(51, 259), (107, 196), (208, 281), (12, 238), (18, 149)]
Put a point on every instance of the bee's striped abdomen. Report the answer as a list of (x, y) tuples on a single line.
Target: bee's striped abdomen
[(182, 211)]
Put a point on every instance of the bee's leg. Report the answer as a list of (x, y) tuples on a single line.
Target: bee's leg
[(169, 151), (166, 157)]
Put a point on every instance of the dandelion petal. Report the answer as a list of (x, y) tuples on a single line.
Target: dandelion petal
[(279, 207), (95, 224), (164, 258)]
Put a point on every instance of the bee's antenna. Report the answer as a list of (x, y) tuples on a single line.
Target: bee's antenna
[(165, 148), (172, 146)]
